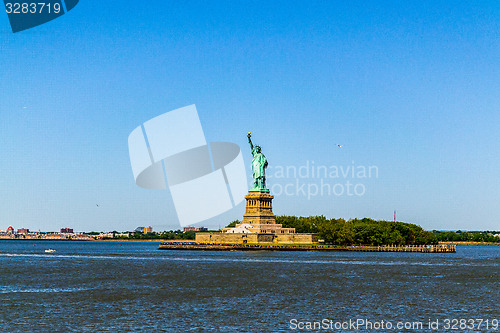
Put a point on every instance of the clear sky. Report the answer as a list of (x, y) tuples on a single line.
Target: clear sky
[(410, 87)]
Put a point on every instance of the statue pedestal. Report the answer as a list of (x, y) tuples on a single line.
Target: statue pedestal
[(259, 208), (258, 226)]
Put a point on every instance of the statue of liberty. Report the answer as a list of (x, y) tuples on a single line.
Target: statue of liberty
[(259, 165)]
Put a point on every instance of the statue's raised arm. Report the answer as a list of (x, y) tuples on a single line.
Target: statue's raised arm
[(250, 140)]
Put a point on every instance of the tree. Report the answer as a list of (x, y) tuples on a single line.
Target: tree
[(233, 224)]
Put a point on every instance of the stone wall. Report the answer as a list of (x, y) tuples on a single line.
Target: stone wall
[(234, 238), (296, 238)]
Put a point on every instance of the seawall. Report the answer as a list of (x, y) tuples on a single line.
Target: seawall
[(270, 247)]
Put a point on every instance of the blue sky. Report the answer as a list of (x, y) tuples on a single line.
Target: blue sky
[(409, 87)]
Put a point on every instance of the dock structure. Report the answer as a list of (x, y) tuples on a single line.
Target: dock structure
[(271, 247)]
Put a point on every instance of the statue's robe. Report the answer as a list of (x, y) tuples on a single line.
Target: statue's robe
[(259, 163)]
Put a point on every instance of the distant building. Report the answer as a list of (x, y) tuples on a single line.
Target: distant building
[(186, 229), (144, 229), (105, 235), (23, 231), (10, 230), (66, 231)]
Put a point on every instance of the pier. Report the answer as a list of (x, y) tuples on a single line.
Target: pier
[(442, 248)]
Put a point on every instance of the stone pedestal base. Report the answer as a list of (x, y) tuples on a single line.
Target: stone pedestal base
[(259, 217), (259, 208), (258, 226), (254, 238)]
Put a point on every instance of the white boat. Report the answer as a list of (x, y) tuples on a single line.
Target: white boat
[(50, 251)]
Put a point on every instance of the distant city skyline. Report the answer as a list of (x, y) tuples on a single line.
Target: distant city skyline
[(410, 89)]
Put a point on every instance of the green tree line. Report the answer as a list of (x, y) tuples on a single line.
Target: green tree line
[(467, 236), (359, 231)]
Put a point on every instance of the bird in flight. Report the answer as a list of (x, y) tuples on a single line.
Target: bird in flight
[(340, 146), (97, 205)]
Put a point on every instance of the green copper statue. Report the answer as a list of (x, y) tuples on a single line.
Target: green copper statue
[(259, 165)]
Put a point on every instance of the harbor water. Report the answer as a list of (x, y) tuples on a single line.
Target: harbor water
[(114, 286)]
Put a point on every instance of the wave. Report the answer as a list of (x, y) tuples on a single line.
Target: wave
[(9, 290), (333, 261)]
